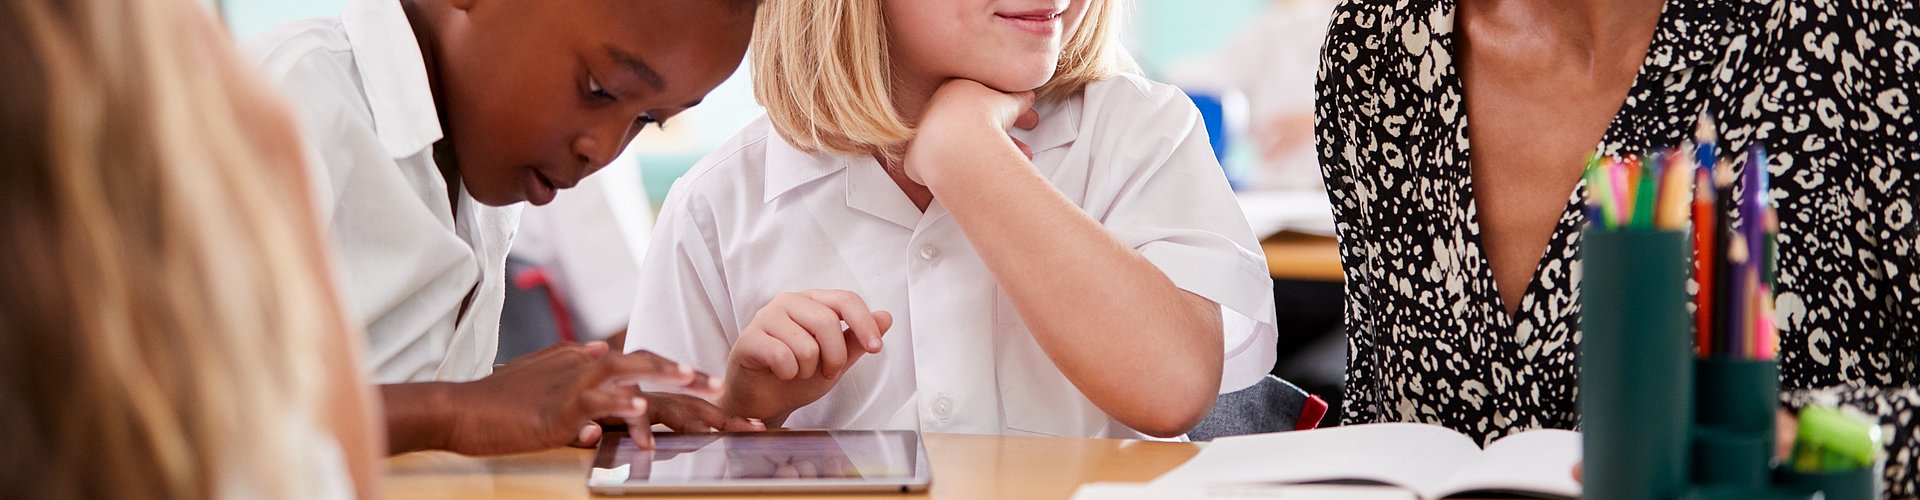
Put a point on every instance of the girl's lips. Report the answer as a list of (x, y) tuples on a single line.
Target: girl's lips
[(539, 190), (1038, 22)]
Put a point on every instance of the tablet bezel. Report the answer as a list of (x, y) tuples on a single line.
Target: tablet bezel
[(919, 481)]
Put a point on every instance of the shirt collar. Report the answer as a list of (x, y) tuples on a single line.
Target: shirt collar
[(868, 188), (392, 75), (788, 167)]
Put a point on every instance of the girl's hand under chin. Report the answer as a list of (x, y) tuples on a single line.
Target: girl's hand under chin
[(966, 122)]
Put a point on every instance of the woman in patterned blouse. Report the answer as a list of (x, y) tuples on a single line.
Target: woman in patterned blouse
[(1461, 263)]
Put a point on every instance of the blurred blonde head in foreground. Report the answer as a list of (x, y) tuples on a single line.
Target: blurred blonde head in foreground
[(168, 328)]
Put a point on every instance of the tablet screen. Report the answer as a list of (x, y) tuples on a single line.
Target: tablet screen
[(727, 457)]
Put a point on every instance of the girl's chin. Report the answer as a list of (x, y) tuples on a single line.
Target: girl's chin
[(1017, 82)]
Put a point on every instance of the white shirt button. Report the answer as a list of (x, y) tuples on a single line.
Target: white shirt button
[(943, 408), (929, 252)]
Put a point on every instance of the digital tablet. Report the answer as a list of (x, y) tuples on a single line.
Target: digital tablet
[(762, 462)]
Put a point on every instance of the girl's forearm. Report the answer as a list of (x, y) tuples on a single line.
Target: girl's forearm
[(1142, 349)]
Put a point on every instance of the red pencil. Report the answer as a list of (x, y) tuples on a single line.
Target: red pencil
[(1703, 229)]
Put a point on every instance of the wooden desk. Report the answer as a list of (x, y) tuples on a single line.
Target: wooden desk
[(964, 466), (1302, 257)]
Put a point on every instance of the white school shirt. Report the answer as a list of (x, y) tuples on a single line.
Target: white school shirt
[(359, 88), (758, 218), (591, 241)]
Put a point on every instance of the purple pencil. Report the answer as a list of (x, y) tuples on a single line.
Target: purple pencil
[(1753, 207)]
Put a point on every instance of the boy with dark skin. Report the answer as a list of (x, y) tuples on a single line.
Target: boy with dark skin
[(531, 97)]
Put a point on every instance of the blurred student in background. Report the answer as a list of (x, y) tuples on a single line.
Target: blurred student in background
[(575, 264), (1273, 61), (169, 328)]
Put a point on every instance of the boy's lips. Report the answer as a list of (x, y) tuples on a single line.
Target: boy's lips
[(539, 189), (1043, 22)]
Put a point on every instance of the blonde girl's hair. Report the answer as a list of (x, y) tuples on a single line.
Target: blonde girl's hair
[(164, 300), (820, 67)]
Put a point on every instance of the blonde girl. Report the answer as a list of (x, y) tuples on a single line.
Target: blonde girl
[(1072, 264)]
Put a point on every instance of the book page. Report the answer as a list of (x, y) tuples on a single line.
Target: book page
[(1536, 463), (1418, 457)]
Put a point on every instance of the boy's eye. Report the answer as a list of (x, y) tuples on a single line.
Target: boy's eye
[(648, 118), (593, 87)]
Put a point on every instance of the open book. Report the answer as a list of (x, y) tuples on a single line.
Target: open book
[(1432, 461)]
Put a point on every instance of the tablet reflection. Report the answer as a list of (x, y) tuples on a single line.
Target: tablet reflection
[(701, 457)]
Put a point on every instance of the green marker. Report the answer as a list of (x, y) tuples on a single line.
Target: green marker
[(1645, 193), (1830, 441)]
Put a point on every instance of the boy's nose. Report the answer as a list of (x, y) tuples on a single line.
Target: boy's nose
[(594, 152)]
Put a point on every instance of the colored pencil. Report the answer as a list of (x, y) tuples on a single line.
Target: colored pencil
[(1703, 241), (1752, 206), (1739, 322), (1600, 193), (1646, 190), (1704, 137), (1622, 192), (1676, 197), (1723, 293)]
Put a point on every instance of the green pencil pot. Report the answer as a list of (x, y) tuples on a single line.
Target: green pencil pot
[(1723, 492), (1857, 484), (1738, 394), (1735, 401), (1731, 458), (1636, 364)]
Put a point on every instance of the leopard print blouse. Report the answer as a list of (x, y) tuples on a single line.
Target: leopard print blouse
[(1828, 87)]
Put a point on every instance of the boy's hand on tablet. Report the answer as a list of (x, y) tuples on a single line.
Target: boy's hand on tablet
[(551, 398), (679, 413), (962, 117), (796, 348), (684, 413)]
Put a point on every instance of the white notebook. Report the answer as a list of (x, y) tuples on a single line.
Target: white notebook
[(1432, 461)]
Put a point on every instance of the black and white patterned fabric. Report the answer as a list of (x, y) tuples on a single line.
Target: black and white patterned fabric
[(1827, 86)]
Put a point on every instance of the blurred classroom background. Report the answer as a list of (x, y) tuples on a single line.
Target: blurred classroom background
[(1250, 64)]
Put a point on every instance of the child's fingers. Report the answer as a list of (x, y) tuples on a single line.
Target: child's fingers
[(801, 342), (806, 468), (884, 320), (774, 354), (743, 424), (642, 436), (589, 436), (701, 384), (1024, 150), (615, 403), (687, 414), (1024, 102), (1029, 119), (595, 349), (680, 415), (854, 311), (644, 365), (705, 386), (823, 323)]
